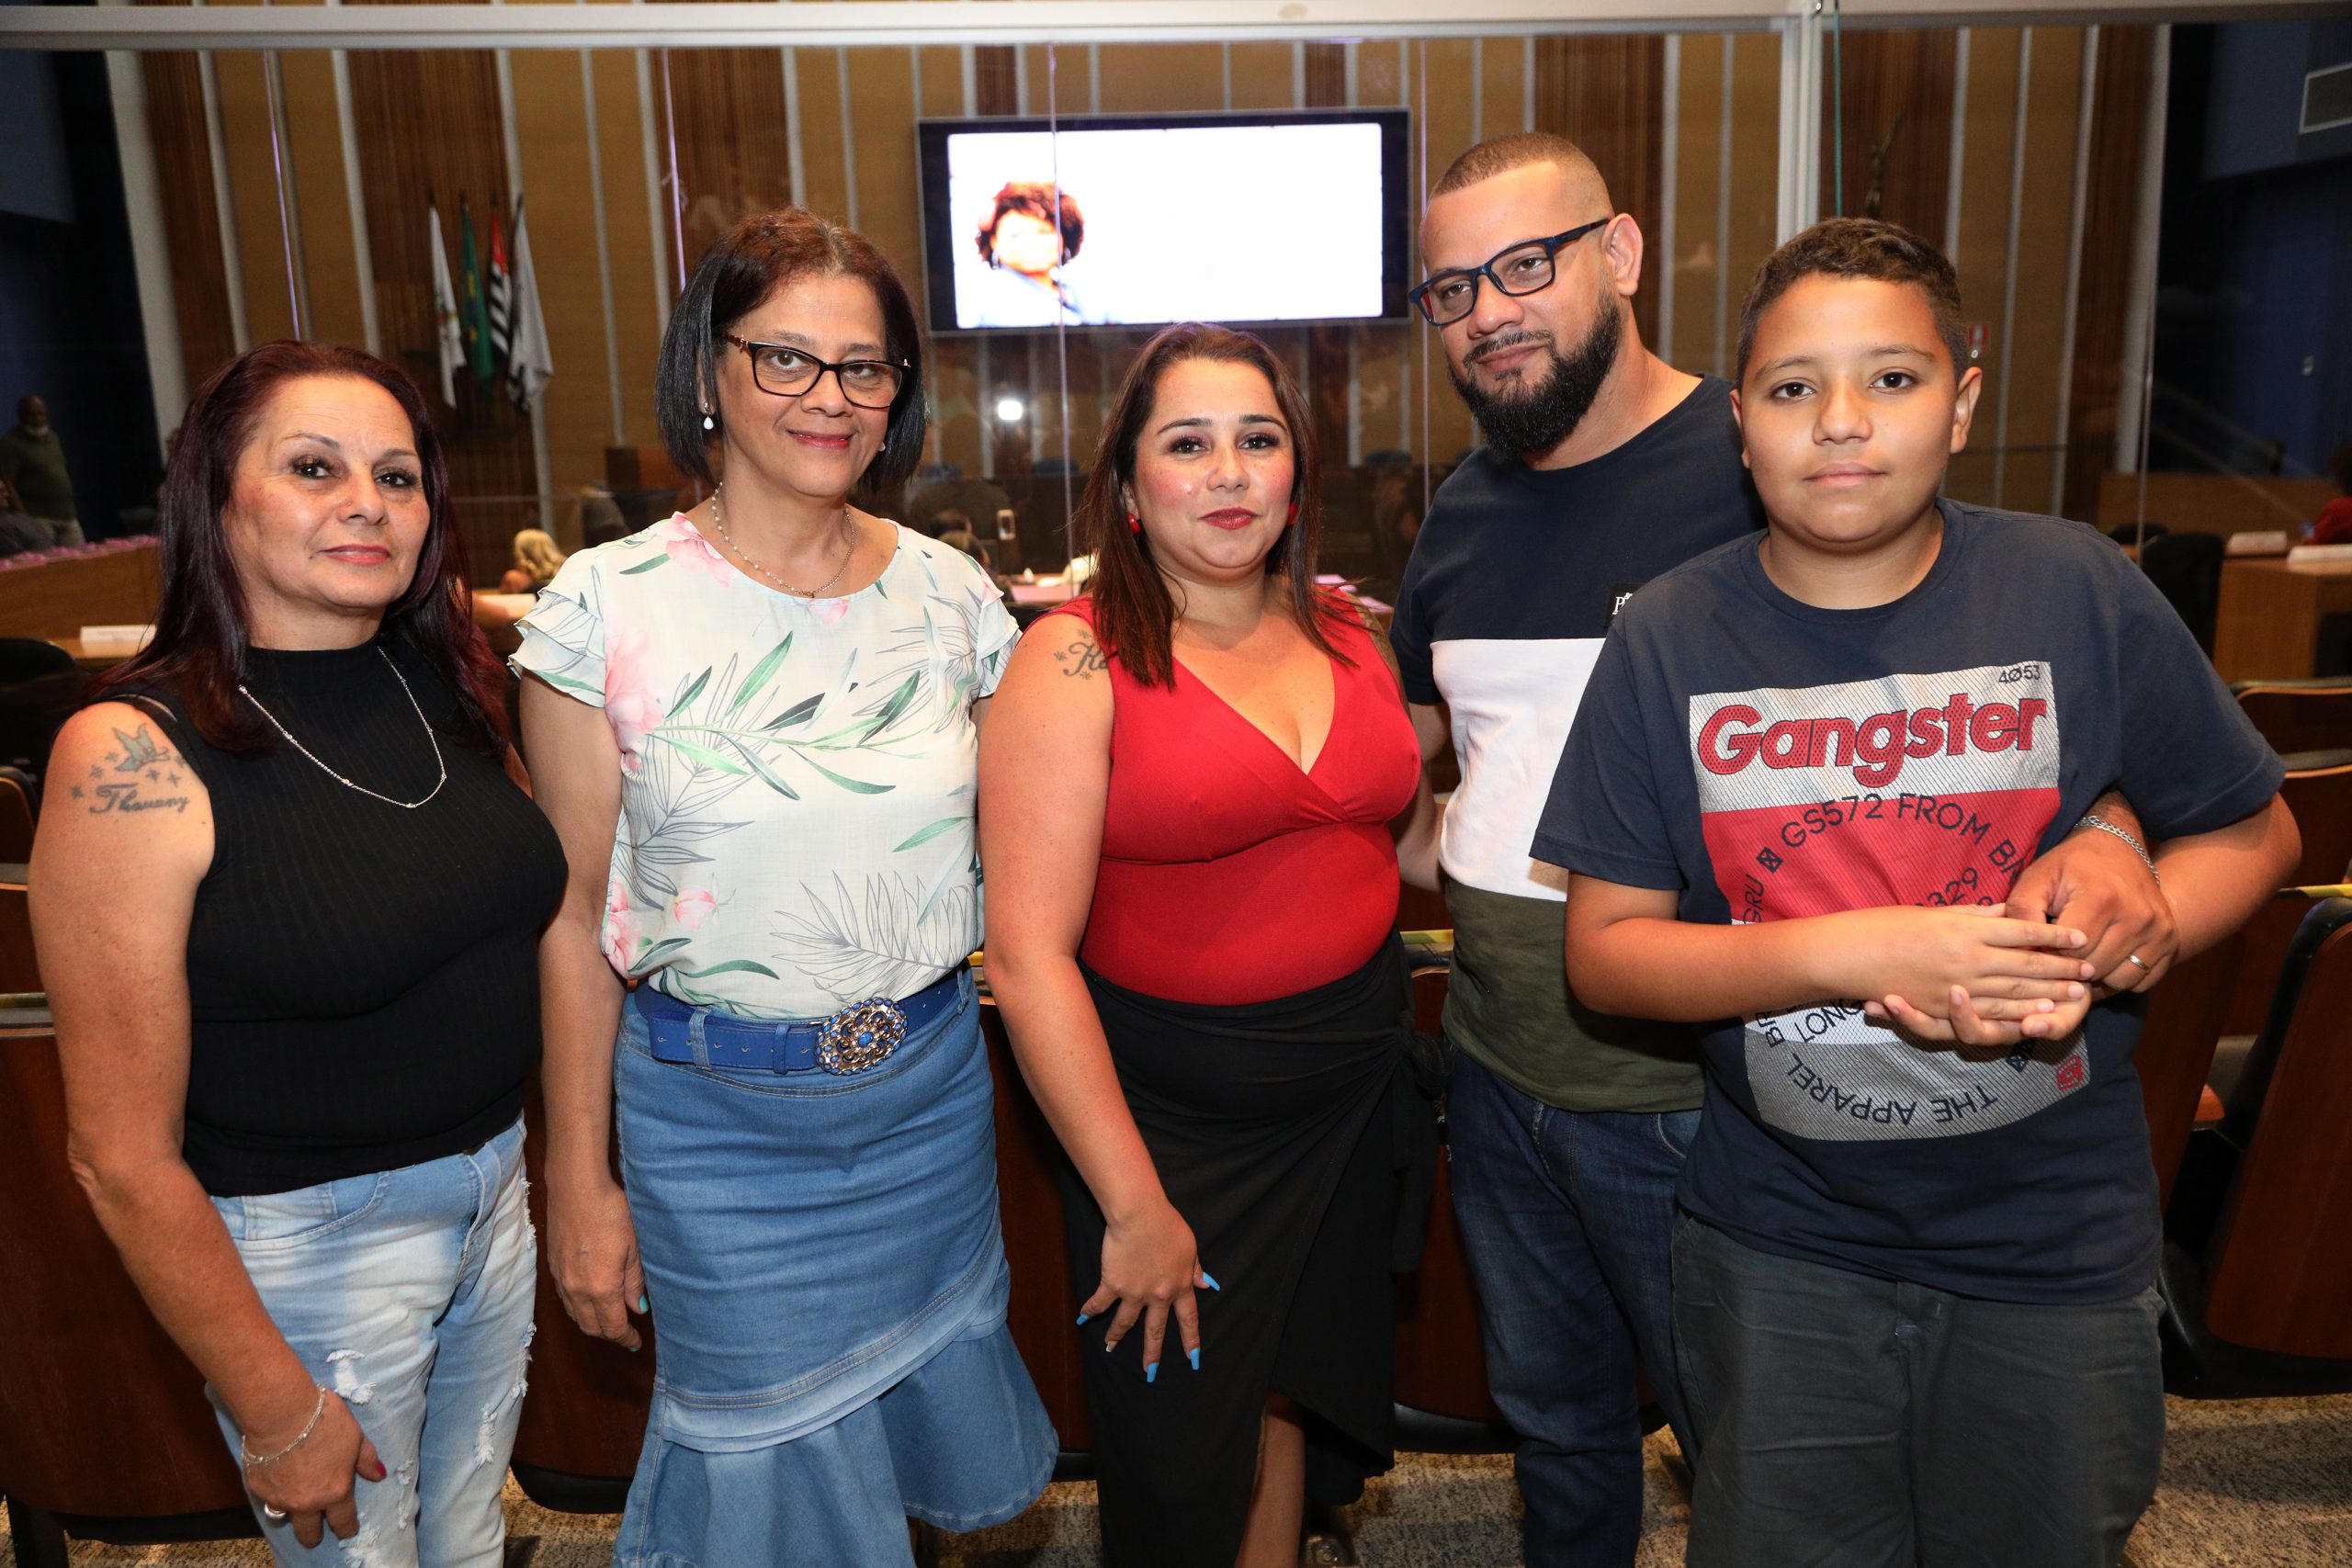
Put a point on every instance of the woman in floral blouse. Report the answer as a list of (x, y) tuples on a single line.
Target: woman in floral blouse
[(756, 727)]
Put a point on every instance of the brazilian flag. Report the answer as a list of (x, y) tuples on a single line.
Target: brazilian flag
[(473, 317)]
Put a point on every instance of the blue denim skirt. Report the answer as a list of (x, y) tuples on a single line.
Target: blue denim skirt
[(829, 1290)]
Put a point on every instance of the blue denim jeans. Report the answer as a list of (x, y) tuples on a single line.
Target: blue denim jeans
[(1567, 1217), (1856, 1422), (408, 1292)]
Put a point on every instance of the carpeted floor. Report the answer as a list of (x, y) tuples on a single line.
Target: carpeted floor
[(2258, 1483)]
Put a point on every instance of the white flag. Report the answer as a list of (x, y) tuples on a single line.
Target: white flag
[(529, 364), (448, 346)]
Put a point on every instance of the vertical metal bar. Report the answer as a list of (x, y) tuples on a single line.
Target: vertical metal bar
[(1298, 75), (1478, 97), (2086, 97), (794, 162), (1224, 68), (1348, 52), (363, 258), (2009, 265), (1527, 84), (849, 136), (224, 206), (677, 184), (1021, 78), (1722, 211), (289, 220), (1669, 155), (968, 63), (2137, 381), (1061, 328), (1094, 77), (653, 190), (1799, 186), (151, 252), (1959, 147), (604, 247)]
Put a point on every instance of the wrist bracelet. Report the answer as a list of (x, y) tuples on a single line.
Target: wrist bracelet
[(257, 1461), (2093, 819)]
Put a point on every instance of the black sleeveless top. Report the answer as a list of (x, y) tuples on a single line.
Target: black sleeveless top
[(363, 979)]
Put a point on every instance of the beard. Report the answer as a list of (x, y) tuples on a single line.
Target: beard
[(1533, 422)]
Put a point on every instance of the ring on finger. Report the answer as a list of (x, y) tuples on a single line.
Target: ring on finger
[(2135, 958), (273, 1513)]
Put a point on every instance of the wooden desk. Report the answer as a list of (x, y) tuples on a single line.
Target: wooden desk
[(58, 598), (2268, 626)]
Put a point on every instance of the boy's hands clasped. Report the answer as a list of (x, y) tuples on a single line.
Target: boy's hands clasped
[(1968, 975)]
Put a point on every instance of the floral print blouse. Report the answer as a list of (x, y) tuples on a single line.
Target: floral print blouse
[(796, 792)]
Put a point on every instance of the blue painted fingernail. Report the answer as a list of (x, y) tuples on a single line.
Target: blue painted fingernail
[(1151, 1371), (1210, 1280), (643, 1304), (1195, 1354), (1084, 1316)]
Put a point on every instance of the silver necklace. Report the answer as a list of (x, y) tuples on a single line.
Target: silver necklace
[(438, 760), (848, 555)]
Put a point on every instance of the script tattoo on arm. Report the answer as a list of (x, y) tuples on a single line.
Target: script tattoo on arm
[(1083, 657), (146, 762)]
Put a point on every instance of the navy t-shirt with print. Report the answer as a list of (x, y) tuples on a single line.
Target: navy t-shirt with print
[(1768, 759)]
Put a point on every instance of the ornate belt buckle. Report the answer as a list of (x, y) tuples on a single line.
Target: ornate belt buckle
[(861, 1035)]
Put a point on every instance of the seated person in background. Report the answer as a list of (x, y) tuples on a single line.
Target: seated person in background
[(536, 560), (1915, 1272), (19, 530), (2333, 525), (965, 497)]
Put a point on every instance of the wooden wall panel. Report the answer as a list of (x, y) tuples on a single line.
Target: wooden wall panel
[(550, 123), (1604, 94), (629, 242), (191, 223), (428, 129), (2037, 328), (322, 200), (250, 141), (1897, 133), (1755, 166), (1262, 76), (1700, 299), (1982, 257), (2110, 208), (1503, 94)]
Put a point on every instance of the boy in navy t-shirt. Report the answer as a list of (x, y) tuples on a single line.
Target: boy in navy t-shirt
[(1914, 1278)]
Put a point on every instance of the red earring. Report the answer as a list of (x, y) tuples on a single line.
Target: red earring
[(1294, 515), (1135, 523)]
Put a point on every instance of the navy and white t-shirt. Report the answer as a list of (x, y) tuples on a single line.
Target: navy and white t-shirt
[(1514, 579), (1770, 761)]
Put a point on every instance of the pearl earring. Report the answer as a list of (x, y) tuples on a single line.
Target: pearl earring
[(709, 424)]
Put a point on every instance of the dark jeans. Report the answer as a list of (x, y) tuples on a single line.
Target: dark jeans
[(1568, 1218), (1853, 1422)]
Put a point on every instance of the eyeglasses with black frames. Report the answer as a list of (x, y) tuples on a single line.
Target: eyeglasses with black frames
[(1527, 267), (789, 372)]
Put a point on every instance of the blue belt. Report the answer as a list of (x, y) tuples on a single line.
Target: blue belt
[(861, 1035)]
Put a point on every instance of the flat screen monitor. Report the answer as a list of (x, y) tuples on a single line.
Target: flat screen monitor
[(1231, 218)]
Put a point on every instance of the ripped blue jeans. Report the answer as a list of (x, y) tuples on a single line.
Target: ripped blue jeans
[(408, 1292)]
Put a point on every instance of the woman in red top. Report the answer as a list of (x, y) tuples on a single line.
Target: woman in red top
[(1188, 782)]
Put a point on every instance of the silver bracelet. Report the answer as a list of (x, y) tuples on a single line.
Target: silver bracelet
[(258, 1461), (2093, 819)]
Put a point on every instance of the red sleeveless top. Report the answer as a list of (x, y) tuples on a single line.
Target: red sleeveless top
[(1228, 874)]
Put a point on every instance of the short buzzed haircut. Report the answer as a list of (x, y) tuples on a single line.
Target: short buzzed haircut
[(1501, 154), (1863, 248)]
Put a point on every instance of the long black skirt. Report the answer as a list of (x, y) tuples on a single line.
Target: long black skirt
[(1289, 1135)]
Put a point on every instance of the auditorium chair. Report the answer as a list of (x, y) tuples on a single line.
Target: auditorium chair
[(2313, 714), (19, 969), (20, 809), (583, 1413), (2175, 1051), (2318, 790), (2257, 1261), (105, 1432)]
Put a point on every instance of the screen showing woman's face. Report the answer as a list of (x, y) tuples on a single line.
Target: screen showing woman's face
[(1027, 243)]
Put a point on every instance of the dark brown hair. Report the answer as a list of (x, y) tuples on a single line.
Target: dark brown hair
[(1134, 613), (1865, 248), (1036, 199), (742, 268), (201, 632)]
